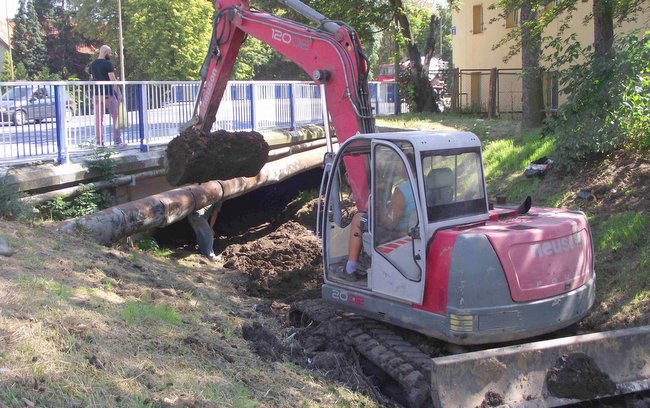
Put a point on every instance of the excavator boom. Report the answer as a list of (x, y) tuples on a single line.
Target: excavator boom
[(331, 55)]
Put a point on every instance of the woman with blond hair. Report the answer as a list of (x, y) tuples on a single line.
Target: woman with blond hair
[(102, 70)]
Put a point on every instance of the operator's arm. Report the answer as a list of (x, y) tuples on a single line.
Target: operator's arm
[(394, 210)]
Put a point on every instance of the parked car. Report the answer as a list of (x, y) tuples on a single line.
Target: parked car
[(23, 104)]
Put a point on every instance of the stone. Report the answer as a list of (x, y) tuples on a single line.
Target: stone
[(5, 249)]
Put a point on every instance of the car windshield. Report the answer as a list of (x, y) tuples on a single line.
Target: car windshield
[(16, 93)]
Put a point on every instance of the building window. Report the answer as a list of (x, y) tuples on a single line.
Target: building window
[(478, 20), (552, 91), (512, 18)]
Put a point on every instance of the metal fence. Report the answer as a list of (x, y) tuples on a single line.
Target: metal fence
[(55, 119), (492, 91)]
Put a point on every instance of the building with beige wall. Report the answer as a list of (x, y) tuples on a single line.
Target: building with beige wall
[(476, 29), (5, 35)]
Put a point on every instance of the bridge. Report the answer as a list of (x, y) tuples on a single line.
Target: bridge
[(57, 130), (55, 120)]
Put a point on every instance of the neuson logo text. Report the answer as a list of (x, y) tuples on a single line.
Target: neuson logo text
[(557, 246)]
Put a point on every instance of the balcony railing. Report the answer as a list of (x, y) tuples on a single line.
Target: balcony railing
[(57, 119)]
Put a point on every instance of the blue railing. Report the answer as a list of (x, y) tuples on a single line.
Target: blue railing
[(57, 119)]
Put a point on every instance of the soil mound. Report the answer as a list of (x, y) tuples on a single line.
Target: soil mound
[(577, 376), (195, 157), (284, 265)]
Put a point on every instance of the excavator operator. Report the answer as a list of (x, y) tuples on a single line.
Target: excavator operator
[(392, 222)]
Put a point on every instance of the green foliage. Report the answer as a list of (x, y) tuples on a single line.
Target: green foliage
[(149, 244), (255, 55), (625, 230), (19, 37), (45, 75), (140, 312), (367, 17), (609, 102), (88, 202), (28, 41), (101, 161), (97, 20), (62, 40), (11, 207), (174, 52), (5, 74), (20, 72)]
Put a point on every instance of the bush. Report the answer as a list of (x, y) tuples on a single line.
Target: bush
[(88, 202), (609, 102), (11, 207), (102, 162)]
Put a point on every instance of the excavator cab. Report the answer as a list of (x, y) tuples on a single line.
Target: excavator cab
[(442, 262), (390, 257)]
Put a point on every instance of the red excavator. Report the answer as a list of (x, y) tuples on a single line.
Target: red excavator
[(452, 267)]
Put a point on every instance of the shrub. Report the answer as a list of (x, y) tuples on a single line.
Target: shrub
[(609, 102), (88, 202), (102, 162), (11, 207)]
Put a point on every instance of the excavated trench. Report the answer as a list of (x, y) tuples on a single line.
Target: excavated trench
[(268, 236)]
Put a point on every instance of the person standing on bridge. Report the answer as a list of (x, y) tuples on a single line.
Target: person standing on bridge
[(102, 70)]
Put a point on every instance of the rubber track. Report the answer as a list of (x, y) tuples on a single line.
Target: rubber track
[(379, 343)]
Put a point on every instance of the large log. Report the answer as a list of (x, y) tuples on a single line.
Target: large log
[(162, 209), (196, 157)]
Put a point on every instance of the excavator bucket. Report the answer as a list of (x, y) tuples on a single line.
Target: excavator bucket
[(546, 373)]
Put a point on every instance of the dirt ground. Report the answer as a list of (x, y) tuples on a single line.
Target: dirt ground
[(282, 262), (265, 241), (270, 239)]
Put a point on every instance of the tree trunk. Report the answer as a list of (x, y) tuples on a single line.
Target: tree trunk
[(532, 89), (418, 78), (603, 28)]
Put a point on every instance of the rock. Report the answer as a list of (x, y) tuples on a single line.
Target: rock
[(5, 249), (585, 194), (599, 190)]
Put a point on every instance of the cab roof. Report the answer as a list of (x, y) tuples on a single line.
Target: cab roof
[(430, 139)]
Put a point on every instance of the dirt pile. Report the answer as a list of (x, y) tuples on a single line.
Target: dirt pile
[(284, 265), (195, 157), (577, 376)]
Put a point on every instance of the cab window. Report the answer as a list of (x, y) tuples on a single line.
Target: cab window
[(453, 183)]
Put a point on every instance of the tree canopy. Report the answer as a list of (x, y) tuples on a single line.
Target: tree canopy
[(28, 41), (166, 39)]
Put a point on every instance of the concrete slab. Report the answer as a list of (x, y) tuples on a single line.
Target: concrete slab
[(47, 175)]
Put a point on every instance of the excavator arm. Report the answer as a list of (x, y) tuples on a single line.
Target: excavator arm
[(331, 55)]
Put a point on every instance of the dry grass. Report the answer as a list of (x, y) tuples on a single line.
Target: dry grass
[(84, 325)]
